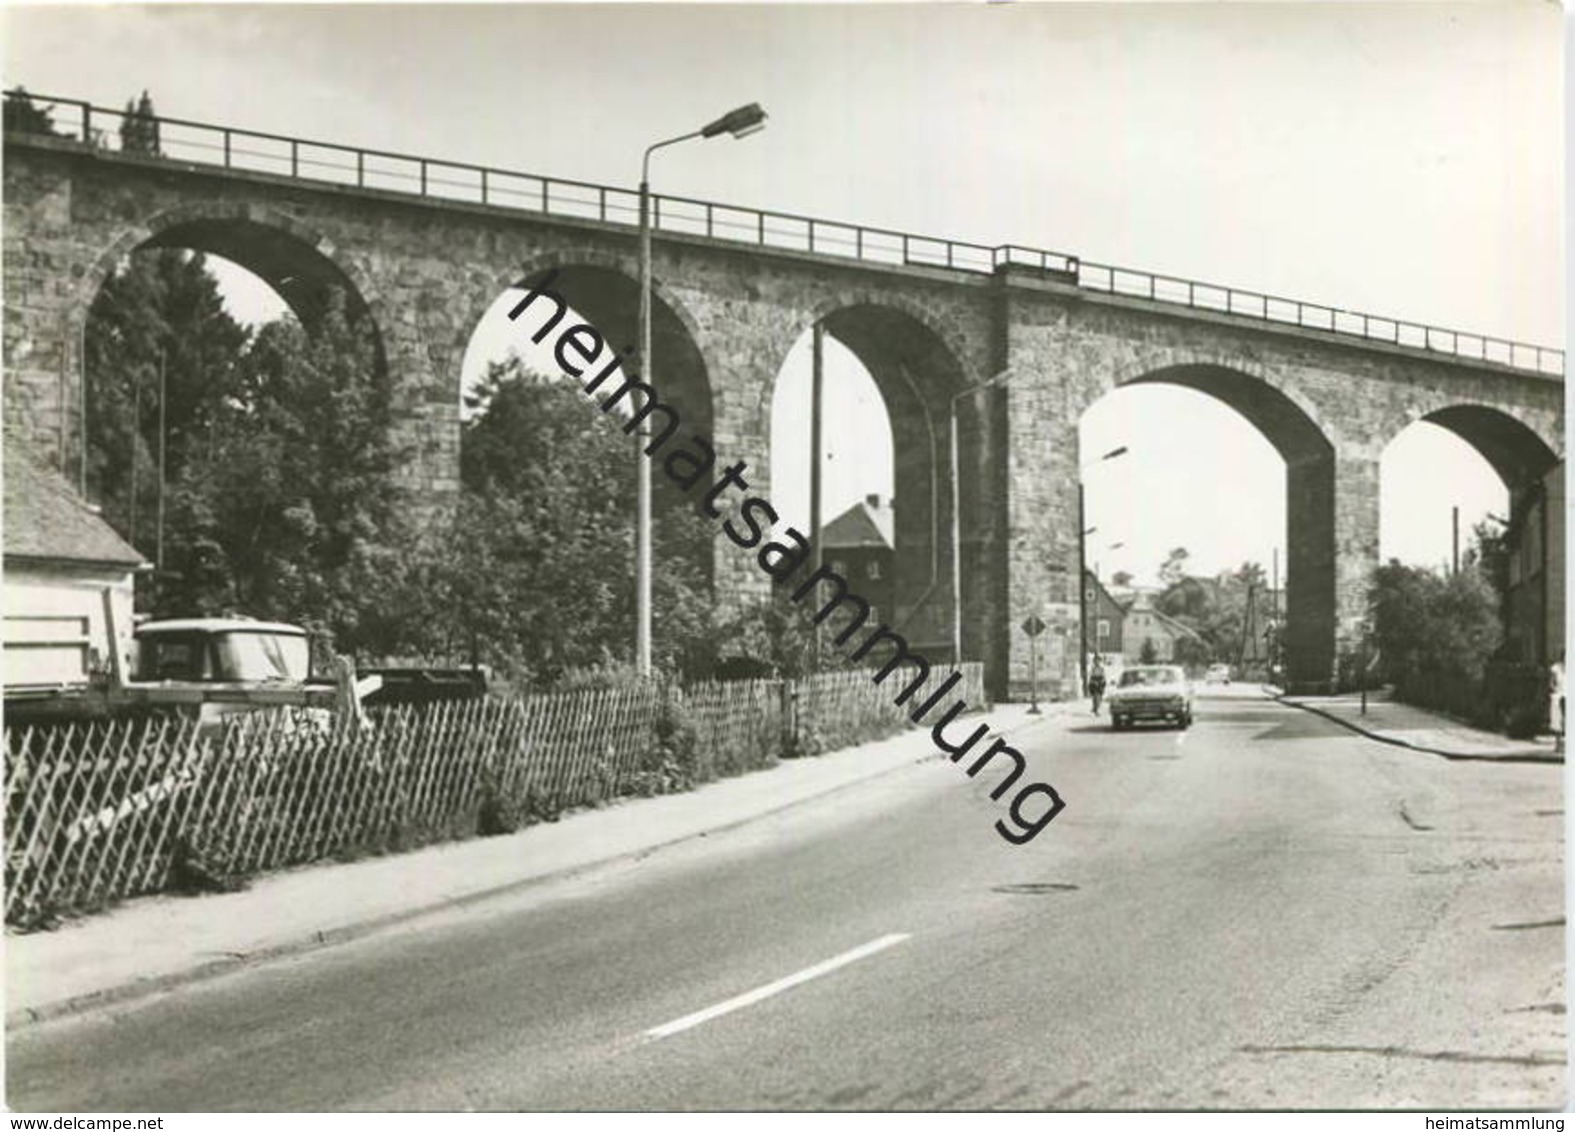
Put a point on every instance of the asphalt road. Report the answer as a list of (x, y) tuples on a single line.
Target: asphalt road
[(1264, 911)]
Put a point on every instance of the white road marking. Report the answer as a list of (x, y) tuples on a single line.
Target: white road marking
[(749, 998)]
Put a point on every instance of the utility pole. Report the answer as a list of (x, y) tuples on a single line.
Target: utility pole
[(1083, 532), (136, 437), (956, 532), (816, 384), (1275, 641), (1249, 628), (1082, 594), (82, 433), (1033, 675), (1274, 592), (158, 554)]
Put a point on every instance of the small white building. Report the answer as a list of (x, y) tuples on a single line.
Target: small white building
[(68, 583)]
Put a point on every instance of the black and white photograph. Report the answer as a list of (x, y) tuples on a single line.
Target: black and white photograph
[(784, 558)]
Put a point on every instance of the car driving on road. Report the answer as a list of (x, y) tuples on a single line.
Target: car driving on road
[(1151, 692)]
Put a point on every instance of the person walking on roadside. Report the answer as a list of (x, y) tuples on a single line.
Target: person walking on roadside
[(1556, 702), (1096, 683)]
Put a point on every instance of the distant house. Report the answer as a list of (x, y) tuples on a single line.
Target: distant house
[(1143, 624), (68, 581), (858, 545), (1106, 619)]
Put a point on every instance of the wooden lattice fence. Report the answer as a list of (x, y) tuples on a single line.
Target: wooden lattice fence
[(97, 813), (836, 709)]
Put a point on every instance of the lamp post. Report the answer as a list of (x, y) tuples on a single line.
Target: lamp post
[(1082, 570), (740, 123)]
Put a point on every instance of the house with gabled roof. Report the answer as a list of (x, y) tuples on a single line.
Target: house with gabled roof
[(68, 582), (1144, 624), (1106, 619), (858, 545)]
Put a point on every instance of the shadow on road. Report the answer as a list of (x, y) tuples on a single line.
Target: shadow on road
[(1280, 725)]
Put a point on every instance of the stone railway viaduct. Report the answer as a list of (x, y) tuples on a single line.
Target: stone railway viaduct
[(1016, 343)]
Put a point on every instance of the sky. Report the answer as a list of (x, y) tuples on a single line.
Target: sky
[(1401, 159)]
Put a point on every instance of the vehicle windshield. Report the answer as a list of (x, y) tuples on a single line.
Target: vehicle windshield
[(1143, 677), (242, 655), (170, 658), (262, 656)]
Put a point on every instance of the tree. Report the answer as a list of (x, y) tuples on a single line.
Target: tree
[(161, 314), (544, 583), (22, 115), (1193, 601), (1215, 608), (1174, 568), (288, 507), (1148, 654), (139, 128), (1121, 579), (1435, 634), (1489, 553), (1193, 651), (779, 635), (1251, 574)]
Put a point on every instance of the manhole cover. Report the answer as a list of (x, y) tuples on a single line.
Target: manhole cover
[(1034, 888)]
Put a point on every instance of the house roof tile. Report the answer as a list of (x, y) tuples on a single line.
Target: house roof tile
[(46, 519), (855, 527)]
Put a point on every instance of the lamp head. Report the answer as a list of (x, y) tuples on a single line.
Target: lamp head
[(740, 123)]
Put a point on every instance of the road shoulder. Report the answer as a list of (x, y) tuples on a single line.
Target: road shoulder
[(158, 943), (1403, 725)]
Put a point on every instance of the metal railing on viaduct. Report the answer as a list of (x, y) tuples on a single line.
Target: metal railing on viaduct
[(332, 163)]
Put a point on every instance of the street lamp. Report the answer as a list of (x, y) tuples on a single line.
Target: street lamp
[(740, 123), (1112, 546), (1082, 569)]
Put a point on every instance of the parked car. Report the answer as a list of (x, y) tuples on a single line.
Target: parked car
[(1218, 674), (1151, 691), (217, 669), (215, 650)]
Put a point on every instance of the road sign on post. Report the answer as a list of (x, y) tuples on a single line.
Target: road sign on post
[(1033, 627)]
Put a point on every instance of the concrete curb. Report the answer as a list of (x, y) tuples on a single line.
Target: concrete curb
[(347, 933), (1551, 757)]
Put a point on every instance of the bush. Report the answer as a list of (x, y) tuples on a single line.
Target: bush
[(609, 672), (1436, 636), (672, 762), (1515, 698), (1348, 665), (779, 637)]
